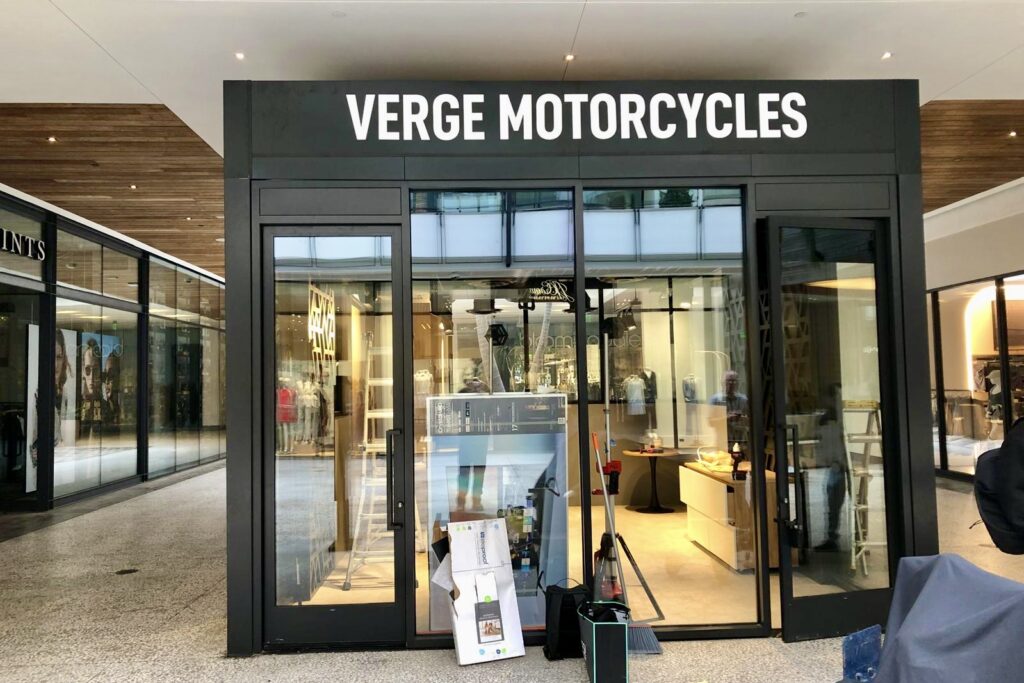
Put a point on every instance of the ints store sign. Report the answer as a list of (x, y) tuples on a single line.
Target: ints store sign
[(602, 116), (22, 245)]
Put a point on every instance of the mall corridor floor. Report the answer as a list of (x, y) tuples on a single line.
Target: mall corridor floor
[(135, 591)]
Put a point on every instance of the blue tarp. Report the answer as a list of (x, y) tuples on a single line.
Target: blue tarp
[(952, 622)]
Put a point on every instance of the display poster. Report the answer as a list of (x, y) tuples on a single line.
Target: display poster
[(65, 369)]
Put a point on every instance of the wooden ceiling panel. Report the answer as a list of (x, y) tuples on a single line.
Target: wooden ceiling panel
[(966, 148), (104, 149)]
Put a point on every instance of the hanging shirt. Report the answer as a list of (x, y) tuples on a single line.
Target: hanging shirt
[(636, 400)]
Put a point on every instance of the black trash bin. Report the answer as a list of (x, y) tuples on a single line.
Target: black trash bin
[(604, 635)]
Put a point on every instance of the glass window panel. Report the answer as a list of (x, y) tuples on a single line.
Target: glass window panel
[(162, 391), (29, 227), (331, 546), (936, 436), (668, 232), (19, 394), (119, 367), (187, 394), (223, 393), (79, 262), (722, 231), (610, 235), (120, 275), (543, 235), (78, 401), (187, 296), (473, 237), (209, 303), (1013, 292), (667, 341), (162, 289), (498, 342), (834, 409), (426, 236), (970, 373), (211, 387)]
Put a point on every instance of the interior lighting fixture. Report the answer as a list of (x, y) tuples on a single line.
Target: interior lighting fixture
[(1013, 133), (51, 139), (886, 55), (188, 218), (239, 56), (569, 57), (219, 239), (132, 187)]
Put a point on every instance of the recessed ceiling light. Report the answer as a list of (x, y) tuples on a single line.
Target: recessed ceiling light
[(1013, 133), (886, 55), (51, 139), (132, 187), (239, 56), (569, 57), (133, 285), (219, 239), (188, 218)]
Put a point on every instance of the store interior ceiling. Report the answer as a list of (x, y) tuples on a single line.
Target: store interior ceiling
[(168, 58)]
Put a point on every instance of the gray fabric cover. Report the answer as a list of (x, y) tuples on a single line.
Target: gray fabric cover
[(951, 621)]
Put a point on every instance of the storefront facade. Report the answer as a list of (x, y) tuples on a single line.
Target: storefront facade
[(130, 401), (440, 294)]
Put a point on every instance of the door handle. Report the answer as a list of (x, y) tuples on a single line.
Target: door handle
[(393, 504)]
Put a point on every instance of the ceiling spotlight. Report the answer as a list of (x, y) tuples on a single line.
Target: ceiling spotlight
[(569, 57), (188, 218), (133, 187), (51, 139), (886, 55), (239, 56), (219, 239), (1013, 133)]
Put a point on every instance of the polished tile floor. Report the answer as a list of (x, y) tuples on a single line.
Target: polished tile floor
[(73, 609), (67, 614)]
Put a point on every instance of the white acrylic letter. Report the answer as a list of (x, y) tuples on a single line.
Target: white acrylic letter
[(690, 104), (471, 116), (714, 130), (360, 123), (576, 102), (633, 109), (441, 132), (414, 113), (662, 99), (386, 116), (546, 130), (790, 102), (516, 118), (595, 116)]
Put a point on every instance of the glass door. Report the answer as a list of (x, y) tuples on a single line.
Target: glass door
[(831, 436), (333, 417)]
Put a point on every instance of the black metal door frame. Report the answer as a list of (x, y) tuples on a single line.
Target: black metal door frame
[(338, 625), (820, 616)]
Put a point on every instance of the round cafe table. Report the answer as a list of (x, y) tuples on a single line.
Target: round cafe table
[(654, 506)]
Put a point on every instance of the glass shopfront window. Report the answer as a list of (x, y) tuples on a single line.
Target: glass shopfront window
[(494, 339), (120, 275), (162, 291), (666, 356), (19, 394), (162, 386), (79, 262), (96, 442), (971, 373)]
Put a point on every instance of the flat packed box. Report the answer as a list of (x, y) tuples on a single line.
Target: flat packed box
[(477, 575)]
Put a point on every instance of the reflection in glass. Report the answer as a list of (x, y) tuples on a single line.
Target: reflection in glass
[(1013, 292), (666, 340), (211, 388), (162, 385), (162, 292), (187, 394), (334, 358), (96, 442), (79, 262), (833, 410), (971, 372), (19, 395), (495, 385), (120, 275)]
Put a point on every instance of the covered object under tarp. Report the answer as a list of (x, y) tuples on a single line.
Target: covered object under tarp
[(951, 621)]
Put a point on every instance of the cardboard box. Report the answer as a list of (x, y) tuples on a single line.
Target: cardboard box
[(477, 575)]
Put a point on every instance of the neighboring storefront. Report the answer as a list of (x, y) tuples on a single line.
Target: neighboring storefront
[(440, 292), (134, 343)]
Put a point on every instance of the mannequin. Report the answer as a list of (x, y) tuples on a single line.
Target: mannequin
[(287, 415), (690, 399)]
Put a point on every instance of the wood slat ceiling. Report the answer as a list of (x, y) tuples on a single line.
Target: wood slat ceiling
[(102, 149), (966, 147)]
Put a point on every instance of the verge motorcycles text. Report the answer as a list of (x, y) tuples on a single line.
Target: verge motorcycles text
[(605, 116)]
